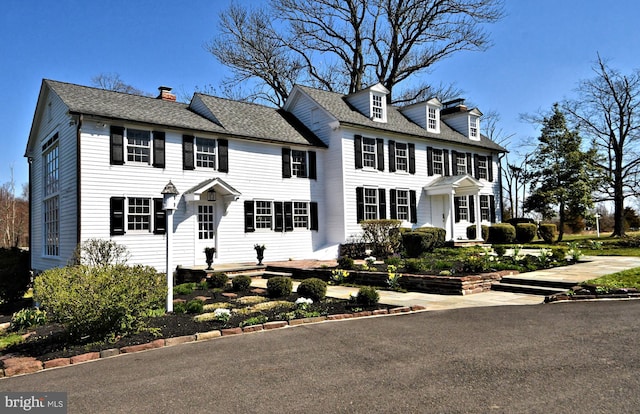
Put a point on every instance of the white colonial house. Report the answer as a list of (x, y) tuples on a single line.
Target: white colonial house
[(298, 179)]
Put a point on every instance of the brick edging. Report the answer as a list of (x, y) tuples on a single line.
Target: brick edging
[(27, 365)]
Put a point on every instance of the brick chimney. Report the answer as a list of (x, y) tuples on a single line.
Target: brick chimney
[(165, 94)]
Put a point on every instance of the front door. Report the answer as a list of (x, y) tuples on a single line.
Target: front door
[(206, 229)]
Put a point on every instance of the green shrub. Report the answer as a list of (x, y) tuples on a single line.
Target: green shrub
[(279, 286), (313, 288), (414, 265), (525, 232), (26, 318), (422, 240), (367, 296), (345, 262), (194, 306), (393, 261), (471, 232), (559, 253), (218, 280), (547, 232), (184, 288), (241, 283), (97, 302), (15, 274), (500, 250), (383, 236), (502, 233), (180, 307), (254, 320)]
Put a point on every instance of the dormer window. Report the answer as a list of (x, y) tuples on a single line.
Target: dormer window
[(378, 107), (474, 127)]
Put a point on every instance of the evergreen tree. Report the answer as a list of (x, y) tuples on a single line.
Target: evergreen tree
[(562, 174)]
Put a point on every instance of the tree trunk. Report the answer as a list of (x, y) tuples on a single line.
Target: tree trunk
[(561, 215), (618, 208)]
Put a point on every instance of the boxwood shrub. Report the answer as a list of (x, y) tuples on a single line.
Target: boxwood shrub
[(424, 239), (547, 232), (241, 282), (218, 280), (367, 296), (502, 233), (279, 286), (525, 232), (471, 232), (313, 288), (98, 302)]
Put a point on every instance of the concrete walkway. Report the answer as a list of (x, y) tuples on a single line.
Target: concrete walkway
[(590, 267)]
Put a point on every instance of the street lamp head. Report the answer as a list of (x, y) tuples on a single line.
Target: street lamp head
[(169, 196)]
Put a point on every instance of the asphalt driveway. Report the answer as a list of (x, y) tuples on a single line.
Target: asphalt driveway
[(560, 358)]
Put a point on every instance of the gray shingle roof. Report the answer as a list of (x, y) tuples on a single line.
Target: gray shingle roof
[(337, 105), (258, 121)]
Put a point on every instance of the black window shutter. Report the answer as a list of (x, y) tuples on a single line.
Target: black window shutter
[(429, 161), (382, 204), (472, 209), (380, 151), (393, 205), (159, 217), (313, 213), (469, 166), (492, 208), (357, 142), (489, 168), (117, 216), (476, 167), (312, 165), (456, 203), (288, 216), (413, 206), (223, 155), (445, 157), (286, 163), (117, 145), (454, 162), (187, 153), (392, 156), (412, 158), (249, 225), (360, 203), (279, 216), (158, 149)]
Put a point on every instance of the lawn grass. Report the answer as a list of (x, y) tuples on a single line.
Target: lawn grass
[(626, 279), (609, 244)]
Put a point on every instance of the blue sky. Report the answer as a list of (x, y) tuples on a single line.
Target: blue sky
[(540, 50)]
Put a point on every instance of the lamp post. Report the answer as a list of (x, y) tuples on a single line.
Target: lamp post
[(169, 204), (597, 216)]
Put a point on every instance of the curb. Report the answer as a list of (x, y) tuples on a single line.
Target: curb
[(27, 365)]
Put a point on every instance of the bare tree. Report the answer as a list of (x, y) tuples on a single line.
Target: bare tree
[(607, 110), (14, 216), (113, 82), (343, 45)]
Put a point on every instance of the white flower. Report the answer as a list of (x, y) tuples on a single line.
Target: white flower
[(220, 312), (304, 301)]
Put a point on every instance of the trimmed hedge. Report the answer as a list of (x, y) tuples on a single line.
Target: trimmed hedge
[(313, 288), (423, 239), (525, 232), (471, 232), (279, 286), (502, 233), (367, 296), (547, 232), (218, 280), (14, 274), (241, 282)]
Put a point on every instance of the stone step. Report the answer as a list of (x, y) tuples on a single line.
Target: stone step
[(515, 280), (527, 289)]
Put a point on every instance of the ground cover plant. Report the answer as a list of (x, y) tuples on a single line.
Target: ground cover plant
[(621, 280)]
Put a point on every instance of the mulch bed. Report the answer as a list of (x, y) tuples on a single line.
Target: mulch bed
[(51, 341)]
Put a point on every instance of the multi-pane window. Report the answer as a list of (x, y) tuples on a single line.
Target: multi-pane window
[(139, 214), (461, 164), (473, 126), (264, 215), (402, 205), (298, 163), (463, 207), (438, 162), (138, 146), (300, 215), (402, 157), (377, 107), (432, 118), (370, 203), (51, 170), (369, 152), (205, 153), (206, 222), (482, 168), (485, 209), (51, 226)]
